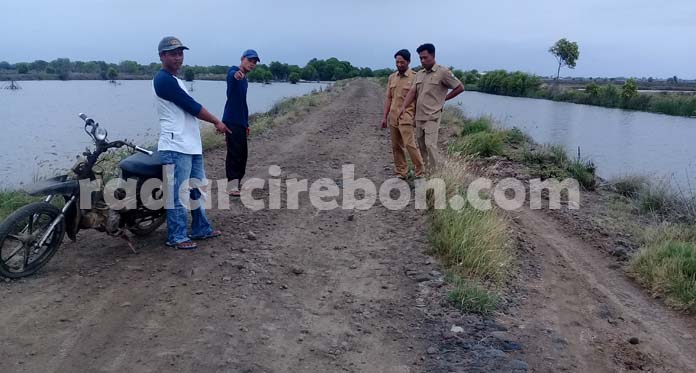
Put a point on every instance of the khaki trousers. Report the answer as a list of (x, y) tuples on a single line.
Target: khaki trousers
[(402, 140), (426, 137)]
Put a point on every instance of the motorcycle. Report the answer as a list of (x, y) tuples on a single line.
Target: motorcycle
[(31, 235)]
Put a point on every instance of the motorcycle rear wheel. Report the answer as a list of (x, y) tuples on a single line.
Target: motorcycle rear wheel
[(145, 227)]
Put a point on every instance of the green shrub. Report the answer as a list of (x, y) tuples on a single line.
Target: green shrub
[(482, 124), (470, 296), (668, 268), (483, 144)]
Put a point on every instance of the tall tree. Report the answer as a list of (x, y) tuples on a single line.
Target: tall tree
[(566, 52)]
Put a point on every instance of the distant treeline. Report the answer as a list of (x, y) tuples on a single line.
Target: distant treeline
[(63, 68), (624, 96)]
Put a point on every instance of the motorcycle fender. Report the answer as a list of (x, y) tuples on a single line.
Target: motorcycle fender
[(72, 221)]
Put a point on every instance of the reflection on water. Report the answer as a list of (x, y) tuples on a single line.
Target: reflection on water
[(618, 141), (41, 130)]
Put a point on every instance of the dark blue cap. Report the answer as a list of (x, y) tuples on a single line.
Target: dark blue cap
[(250, 53)]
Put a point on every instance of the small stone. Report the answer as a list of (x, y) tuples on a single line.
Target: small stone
[(634, 341), (227, 278), (432, 350), (422, 277), (126, 304), (297, 271), (519, 365), (243, 329), (269, 282), (687, 336), (501, 336), (251, 236), (284, 287), (7, 280), (511, 346), (199, 292), (457, 329)]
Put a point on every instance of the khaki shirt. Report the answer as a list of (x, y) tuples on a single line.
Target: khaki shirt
[(398, 88), (431, 89)]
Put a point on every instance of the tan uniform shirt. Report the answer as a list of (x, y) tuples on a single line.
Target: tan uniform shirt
[(431, 89), (398, 87)]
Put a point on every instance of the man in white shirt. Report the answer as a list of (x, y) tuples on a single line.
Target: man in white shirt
[(180, 146)]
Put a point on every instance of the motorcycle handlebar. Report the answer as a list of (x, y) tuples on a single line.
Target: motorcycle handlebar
[(118, 144), (87, 119)]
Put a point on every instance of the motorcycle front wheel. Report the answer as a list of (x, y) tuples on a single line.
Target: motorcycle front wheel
[(20, 234)]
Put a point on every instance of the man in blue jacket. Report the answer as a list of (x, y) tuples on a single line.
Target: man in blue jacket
[(236, 118), (180, 146)]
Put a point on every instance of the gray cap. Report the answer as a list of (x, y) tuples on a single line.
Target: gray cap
[(169, 43)]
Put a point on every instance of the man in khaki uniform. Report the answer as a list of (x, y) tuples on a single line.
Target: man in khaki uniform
[(430, 91), (401, 126)]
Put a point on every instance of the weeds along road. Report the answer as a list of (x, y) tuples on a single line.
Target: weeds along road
[(307, 290)]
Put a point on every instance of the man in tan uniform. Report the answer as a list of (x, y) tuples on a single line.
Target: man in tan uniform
[(430, 91), (401, 126)]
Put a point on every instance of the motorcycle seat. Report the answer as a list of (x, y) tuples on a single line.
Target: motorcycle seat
[(141, 165)]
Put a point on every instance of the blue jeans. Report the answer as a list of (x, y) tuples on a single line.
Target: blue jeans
[(185, 167)]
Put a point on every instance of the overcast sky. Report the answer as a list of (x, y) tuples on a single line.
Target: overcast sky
[(617, 37)]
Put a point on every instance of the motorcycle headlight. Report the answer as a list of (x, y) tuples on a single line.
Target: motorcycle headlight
[(100, 134)]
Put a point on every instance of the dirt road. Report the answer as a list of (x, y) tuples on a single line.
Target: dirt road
[(313, 291), (581, 311)]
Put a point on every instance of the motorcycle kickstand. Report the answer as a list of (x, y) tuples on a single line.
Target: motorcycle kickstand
[(130, 243)]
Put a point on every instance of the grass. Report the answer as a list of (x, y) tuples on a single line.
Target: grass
[(666, 265), (482, 124), (472, 245), (552, 161), (12, 200), (657, 198), (483, 144), (630, 185), (473, 297), (480, 137)]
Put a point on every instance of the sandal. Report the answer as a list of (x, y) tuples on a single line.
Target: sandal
[(186, 245), (212, 234)]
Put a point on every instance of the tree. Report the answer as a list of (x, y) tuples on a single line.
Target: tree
[(366, 72), (112, 74), (129, 67), (279, 70), (62, 67), (629, 91), (39, 65), (592, 89), (267, 76), (22, 68), (189, 74), (310, 73), (4, 65), (294, 69), (566, 52), (382, 73), (294, 77)]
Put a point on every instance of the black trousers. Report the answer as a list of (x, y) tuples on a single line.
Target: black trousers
[(237, 153)]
